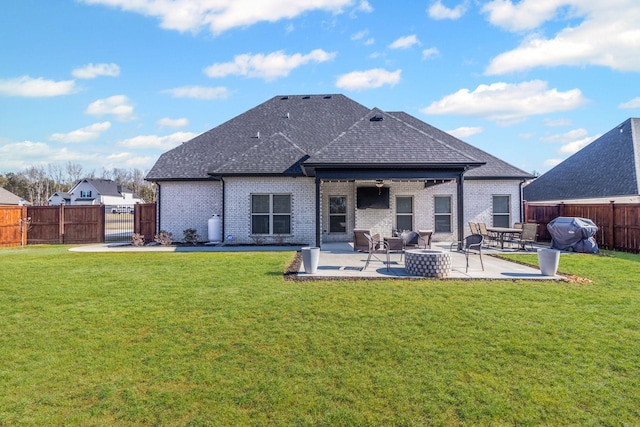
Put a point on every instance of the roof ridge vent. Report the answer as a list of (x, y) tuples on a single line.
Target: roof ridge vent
[(376, 118), (284, 97), (306, 97)]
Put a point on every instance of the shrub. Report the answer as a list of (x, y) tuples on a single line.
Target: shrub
[(164, 238), (191, 236), (137, 239)]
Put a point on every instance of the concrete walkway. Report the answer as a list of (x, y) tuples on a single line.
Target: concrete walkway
[(339, 260)]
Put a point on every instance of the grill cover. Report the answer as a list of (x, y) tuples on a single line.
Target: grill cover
[(573, 234)]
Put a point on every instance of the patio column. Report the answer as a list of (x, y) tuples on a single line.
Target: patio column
[(318, 213), (460, 182)]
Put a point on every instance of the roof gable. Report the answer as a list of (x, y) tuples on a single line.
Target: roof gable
[(607, 167), (382, 138)]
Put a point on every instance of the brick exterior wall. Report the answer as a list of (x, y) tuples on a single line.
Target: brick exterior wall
[(238, 208), (188, 204), (478, 203)]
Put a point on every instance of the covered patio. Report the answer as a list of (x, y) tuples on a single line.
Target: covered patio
[(339, 260)]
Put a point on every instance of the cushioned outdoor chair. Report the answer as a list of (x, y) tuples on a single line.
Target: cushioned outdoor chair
[(376, 247), (488, 237), (471, 244), (360, 243), (426, 238)]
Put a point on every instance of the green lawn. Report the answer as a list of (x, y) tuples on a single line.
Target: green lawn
[(222, 339)]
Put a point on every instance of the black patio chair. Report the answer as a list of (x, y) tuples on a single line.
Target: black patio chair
[(471, 244)]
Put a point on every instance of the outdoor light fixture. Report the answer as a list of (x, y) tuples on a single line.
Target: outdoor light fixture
[(379, 184)]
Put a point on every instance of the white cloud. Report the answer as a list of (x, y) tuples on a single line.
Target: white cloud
[(128, 160), (359, 35), (566, 137), (29, 87), (465, 131), (173, 123), (404, 42), (506, 102), (87, 133), (439, 11), (223, 15), (634, 103), (552, 162), (428, 53), (157, 142), (268, 67), (369, 79), (607, 35), (199, 92), (118, 105), (575, 146), (369, 41), (556, 122), (91, 71)]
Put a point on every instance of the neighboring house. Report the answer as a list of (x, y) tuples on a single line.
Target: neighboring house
[(96, 192), (311, 169), (606, 170), (8, 198), (58, 198)]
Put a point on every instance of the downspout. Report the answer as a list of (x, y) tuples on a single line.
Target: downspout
[(522, 218), (460, 181), (158, 204), (318, 213), (224, 216)]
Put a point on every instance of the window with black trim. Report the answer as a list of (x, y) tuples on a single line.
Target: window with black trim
[(337, 214), (85, 193), (501, 211), (404, 213), (270, 214), (442, 208)]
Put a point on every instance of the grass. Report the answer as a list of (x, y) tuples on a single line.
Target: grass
[(222, 339)]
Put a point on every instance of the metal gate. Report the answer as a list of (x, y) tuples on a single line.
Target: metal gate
[(118, 223)]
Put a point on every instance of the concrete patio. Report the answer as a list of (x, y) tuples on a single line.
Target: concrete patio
[(339, 260)]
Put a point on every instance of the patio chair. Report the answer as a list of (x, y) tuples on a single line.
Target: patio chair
[(412, 239), (360, 243), (426, 237), (529, 235), (488, 237), (471, 244), (375, 249), (474, 228)]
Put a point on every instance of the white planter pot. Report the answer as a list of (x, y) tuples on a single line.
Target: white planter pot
[(548, 260), (310, 259)]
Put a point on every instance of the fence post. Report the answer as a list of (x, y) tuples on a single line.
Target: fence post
[(61, 224), (612, 208)]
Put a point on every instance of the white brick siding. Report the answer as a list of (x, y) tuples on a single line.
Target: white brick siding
[(478, 201), (238, 208), (189, 204)]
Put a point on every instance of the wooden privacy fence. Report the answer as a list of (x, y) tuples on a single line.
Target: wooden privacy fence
[(618, 224), (66, 224), (13, 225)]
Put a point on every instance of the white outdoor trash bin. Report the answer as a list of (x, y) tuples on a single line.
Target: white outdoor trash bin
[(548, 260), (310, 259)]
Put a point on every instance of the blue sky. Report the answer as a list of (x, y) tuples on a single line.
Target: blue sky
[(115, 83)]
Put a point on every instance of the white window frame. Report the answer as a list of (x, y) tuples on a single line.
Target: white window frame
[(404, 214), (501, 214), (442, 214), (271, 214)]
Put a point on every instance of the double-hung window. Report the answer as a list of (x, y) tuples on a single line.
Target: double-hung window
[(337, 214), (501, 211), (404, 213), (442, 208), (270, 214), (85, 193)]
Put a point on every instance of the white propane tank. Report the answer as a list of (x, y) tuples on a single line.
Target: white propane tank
[(215, 229)]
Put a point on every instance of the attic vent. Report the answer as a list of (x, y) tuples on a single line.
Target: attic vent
[(376, 118), (327, 97), (306, 97), (284, 97)]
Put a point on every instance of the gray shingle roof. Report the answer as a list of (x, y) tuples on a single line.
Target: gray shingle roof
[(318, 129), (607, 167)]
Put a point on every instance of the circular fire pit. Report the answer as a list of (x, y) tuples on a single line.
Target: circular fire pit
[(427, 263)]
